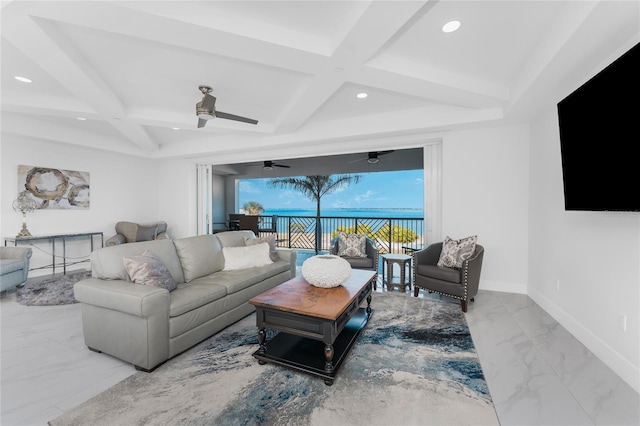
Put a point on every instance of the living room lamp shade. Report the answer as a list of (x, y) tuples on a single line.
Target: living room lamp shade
[(24, 204)]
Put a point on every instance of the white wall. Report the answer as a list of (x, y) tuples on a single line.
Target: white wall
[(122, 188), (485, 193), (594, 255), (176, 202)]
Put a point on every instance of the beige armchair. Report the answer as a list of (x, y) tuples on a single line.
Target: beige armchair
[(460, 283), (130, 232)]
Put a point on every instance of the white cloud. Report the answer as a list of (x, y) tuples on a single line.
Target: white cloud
[(288, 194), (248, 188), (367, 196), (340, 204)]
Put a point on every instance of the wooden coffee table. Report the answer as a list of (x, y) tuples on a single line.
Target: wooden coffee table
[(317, 326)]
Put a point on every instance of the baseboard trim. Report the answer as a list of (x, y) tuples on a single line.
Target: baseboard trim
[(503, 286), (612, 359)]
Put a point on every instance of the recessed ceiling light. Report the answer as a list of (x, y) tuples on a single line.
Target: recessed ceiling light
[(361, 95), (22, 79), (451, 26), (176, 128), (80, 118)]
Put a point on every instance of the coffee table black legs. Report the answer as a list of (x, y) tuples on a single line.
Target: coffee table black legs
[(328, 365), (262, 349)]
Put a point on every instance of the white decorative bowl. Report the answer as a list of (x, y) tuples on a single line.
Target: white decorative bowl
[(326, 270)]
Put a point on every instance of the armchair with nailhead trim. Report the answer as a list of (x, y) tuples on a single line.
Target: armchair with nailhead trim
[(461, 284)]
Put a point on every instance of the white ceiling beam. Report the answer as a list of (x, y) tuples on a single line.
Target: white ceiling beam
[(54, 53), (377, 24), (23, 125), (163, 27)]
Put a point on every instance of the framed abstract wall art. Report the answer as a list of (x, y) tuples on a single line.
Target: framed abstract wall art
[(55, 188)]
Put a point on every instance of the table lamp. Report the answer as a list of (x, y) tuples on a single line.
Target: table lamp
[(24, 204)]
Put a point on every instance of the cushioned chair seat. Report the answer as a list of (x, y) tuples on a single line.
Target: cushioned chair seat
[(131, 232), (360, 262), (439, 273), (459, 283)]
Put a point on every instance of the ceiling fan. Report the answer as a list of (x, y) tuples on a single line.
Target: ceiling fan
[(372, 157), (269, 165), (206, 110)]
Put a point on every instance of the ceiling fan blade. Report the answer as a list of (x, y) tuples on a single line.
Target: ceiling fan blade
[(357, 159), (227, 116), (384, 152), (209, 102), (281, 165), (201, 122)]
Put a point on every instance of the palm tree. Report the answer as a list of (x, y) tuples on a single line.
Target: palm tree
[(253, 208), (315, 187)]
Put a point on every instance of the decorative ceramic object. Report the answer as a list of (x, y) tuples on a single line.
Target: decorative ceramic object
[(326, 270)]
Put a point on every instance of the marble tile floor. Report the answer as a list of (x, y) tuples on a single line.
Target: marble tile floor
[(537, 373)]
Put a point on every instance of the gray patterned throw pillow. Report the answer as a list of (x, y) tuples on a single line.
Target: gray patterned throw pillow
[(352, 245), (148, 269), (454, 252)]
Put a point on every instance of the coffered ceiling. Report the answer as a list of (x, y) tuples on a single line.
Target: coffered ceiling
[(132, 69)]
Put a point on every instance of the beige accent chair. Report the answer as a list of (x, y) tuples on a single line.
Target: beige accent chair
[(130, 232), (460, 283)]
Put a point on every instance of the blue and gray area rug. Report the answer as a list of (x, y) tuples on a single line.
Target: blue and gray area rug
[(414, 364)]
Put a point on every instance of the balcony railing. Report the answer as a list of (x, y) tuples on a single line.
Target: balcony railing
[(392, 235)]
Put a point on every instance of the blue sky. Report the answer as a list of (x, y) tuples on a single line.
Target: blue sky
[(398, 190)]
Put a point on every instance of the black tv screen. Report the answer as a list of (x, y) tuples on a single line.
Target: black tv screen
[(600, 138)]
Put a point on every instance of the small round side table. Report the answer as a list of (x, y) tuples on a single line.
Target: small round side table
[(402, 260)]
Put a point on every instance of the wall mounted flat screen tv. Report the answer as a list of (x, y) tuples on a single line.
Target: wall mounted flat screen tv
[(599, 127)]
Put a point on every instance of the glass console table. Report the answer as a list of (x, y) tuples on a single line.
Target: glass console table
[(52, 239)]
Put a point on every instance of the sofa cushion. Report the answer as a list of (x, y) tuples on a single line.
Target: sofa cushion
[(106, 263), (148, 269), (454, 252), (352, 245), (269, 239), (192, 295), (234, 238), (199, 256), (246, 257), (240, 279)]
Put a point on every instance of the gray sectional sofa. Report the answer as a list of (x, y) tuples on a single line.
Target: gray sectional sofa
[(147, 325)]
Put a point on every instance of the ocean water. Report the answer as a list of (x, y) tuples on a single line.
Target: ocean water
[(386, 213)]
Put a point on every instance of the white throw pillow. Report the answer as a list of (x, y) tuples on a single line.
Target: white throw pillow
[(246, 257)]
